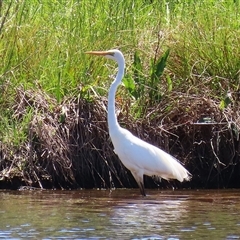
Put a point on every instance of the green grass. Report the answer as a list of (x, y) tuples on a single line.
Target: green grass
[(43, 43)]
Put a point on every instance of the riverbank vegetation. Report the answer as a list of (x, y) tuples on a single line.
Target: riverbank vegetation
[(180, 91)]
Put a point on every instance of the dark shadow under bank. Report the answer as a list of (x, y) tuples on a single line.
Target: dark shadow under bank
[(69, 147)]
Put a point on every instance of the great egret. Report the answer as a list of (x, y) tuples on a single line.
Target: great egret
[(137, 155)]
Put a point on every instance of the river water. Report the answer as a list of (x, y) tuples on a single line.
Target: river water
[(120, 214)]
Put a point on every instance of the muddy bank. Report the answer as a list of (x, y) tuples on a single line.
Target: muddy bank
[(68, 145)]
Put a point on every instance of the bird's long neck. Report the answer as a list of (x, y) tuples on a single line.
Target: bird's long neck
[(112, 119)]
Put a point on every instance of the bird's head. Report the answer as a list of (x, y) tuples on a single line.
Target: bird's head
[(113, 54)]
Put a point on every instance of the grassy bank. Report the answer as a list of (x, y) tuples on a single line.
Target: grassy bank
[(183, 67)]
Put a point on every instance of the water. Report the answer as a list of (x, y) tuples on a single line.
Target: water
[(120, 214)]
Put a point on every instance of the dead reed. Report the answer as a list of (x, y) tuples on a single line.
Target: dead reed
[(68, 145)]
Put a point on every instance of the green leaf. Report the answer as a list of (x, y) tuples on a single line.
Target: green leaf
[(137, 67), (161, 64), (225, 102), (137, 62), (169, 83), (222, 105), (129, 83), (130, 86)]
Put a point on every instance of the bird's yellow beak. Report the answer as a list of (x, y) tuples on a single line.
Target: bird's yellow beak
[(100, 53)]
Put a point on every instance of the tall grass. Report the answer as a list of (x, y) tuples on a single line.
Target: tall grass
[(43, 43), (207, 48)]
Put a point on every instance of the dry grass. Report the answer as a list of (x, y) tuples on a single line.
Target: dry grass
[(205, 138), (68, 145)]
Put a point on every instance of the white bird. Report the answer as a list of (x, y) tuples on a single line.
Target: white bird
[(140, 157)]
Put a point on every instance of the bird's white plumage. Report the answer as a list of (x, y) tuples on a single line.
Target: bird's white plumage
[(137, 155)]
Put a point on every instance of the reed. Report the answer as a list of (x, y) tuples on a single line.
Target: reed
[(172, 49)]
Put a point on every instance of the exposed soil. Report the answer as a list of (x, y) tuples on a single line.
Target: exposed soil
[(68, 145)]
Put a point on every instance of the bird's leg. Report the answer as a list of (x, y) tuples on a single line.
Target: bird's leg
[(139, 179), (142, 189)]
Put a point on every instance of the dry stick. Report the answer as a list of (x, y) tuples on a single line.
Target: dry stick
[(93, 168), (94, 148), (216, 155), (111, 170), (39, 181), (157, 47), (213, 162), (234, 152), (31, 156)]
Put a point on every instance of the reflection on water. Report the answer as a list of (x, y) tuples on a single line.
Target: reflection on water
[(120, 214)]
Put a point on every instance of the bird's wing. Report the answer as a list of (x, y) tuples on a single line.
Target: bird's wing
[(138, 155)]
